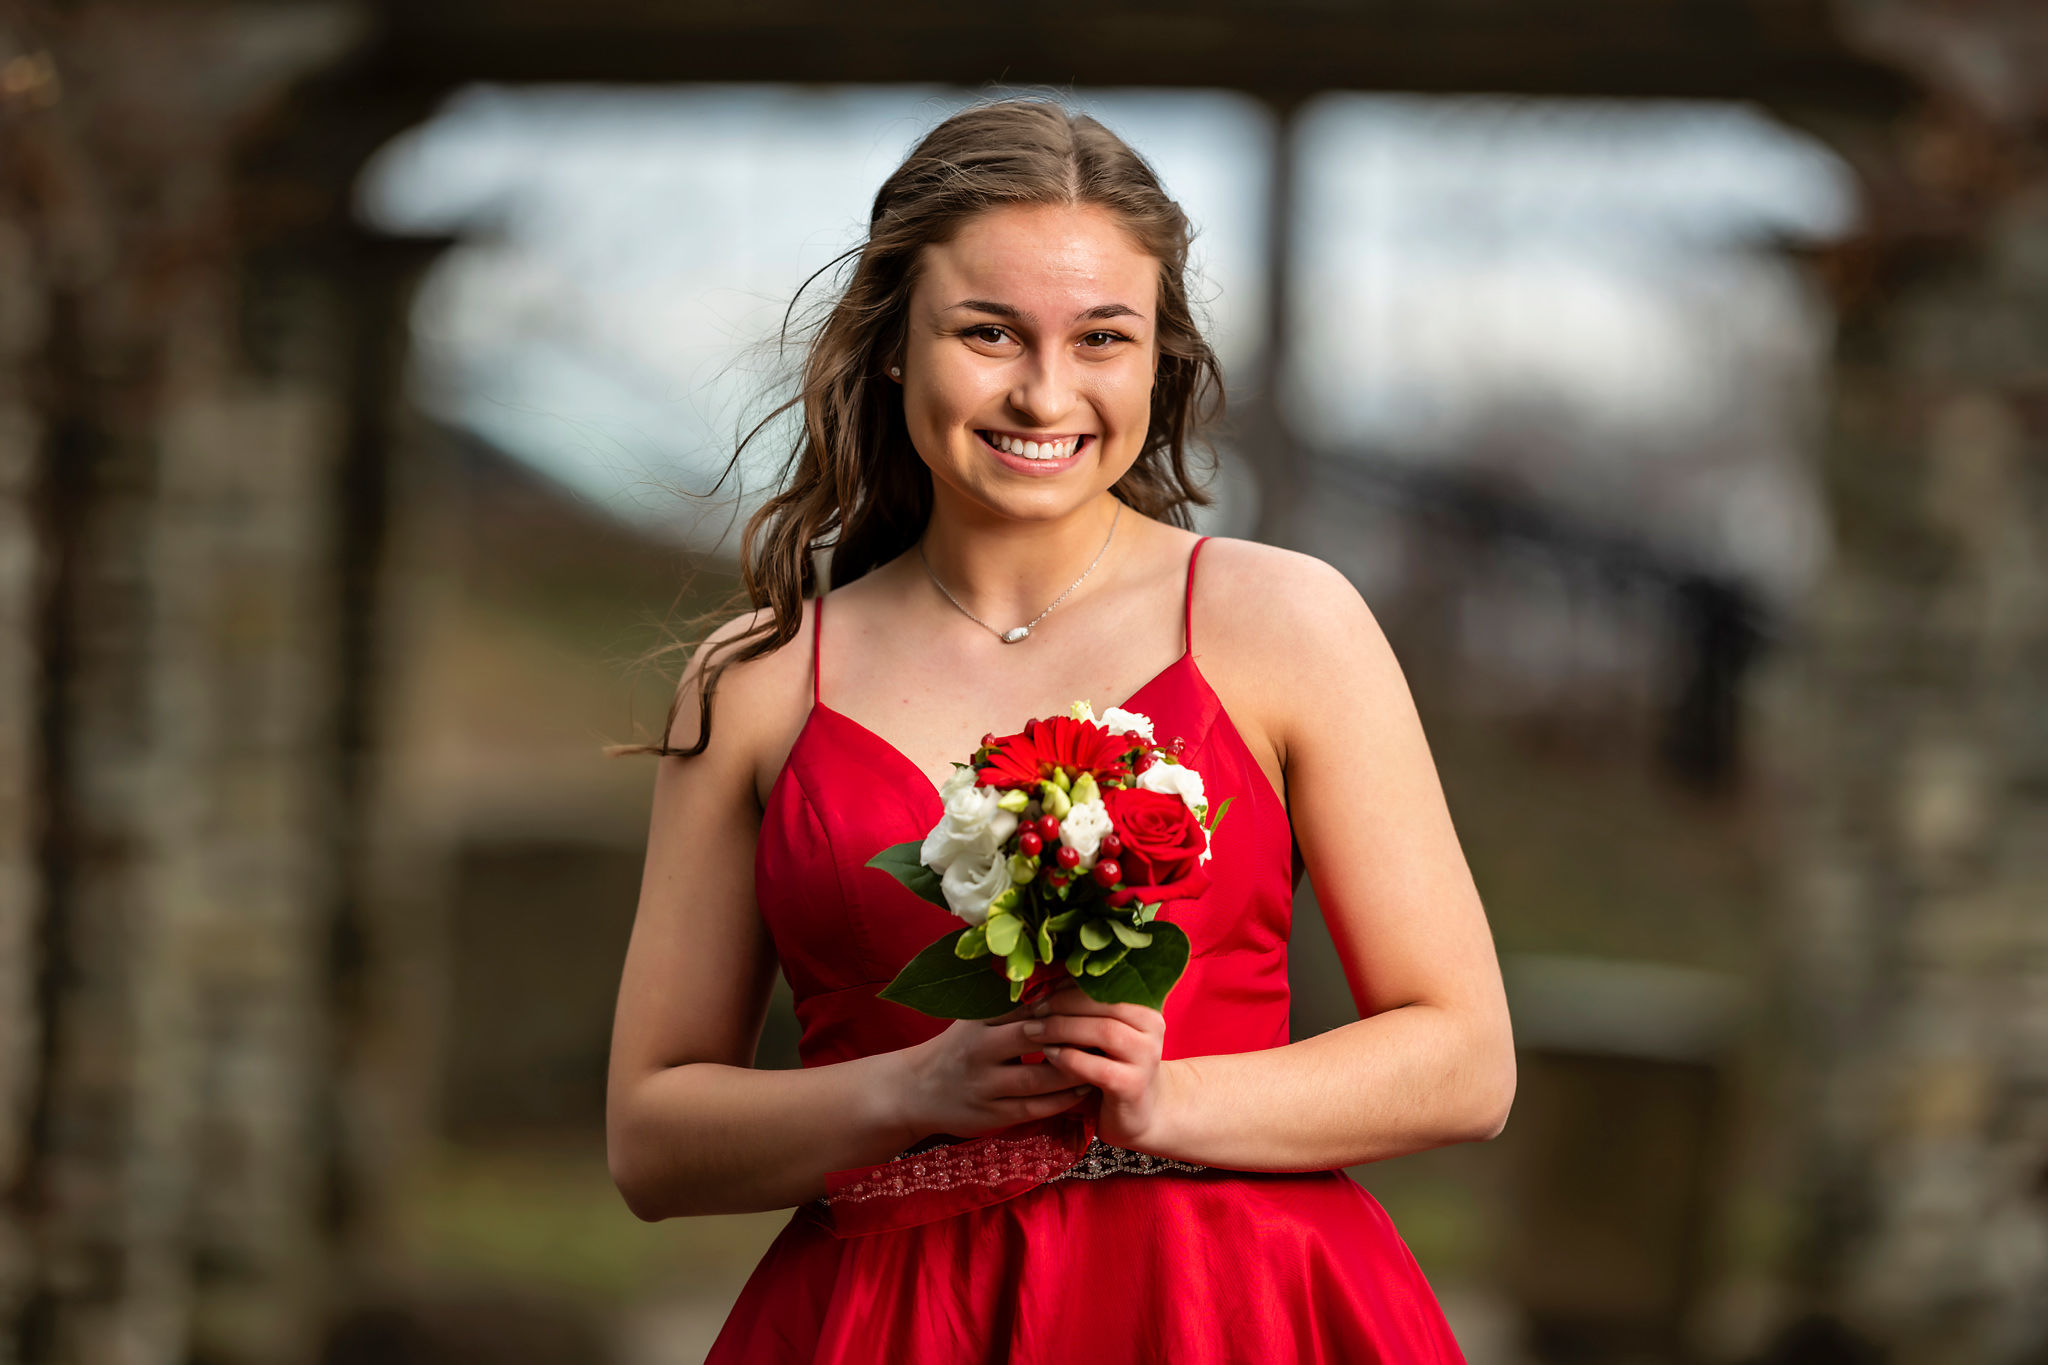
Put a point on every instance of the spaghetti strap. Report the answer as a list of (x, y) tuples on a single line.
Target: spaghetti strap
[(1188, 609), (817, 628)]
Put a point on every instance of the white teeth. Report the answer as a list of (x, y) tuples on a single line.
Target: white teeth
[(1034, 450)]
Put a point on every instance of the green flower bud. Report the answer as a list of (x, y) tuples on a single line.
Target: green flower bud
[(1022, 870), (1083, 790), (1060, 778), (1014, 800), (1055, 799)]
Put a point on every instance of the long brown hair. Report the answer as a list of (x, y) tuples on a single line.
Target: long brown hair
[(854, 484)]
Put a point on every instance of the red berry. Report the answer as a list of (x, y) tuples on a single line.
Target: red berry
[(1179, 743), (1048, 827), (1030, 844), (1056, 877), (988, 741), (1108, 872), (1145, 760), (1112, 847), (1067, 857)]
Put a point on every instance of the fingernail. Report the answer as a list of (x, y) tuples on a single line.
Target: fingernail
[(1052, 1049), (1042, 1008), (1033, 1029)]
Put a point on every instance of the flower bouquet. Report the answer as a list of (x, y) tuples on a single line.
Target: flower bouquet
[(1058, 846)]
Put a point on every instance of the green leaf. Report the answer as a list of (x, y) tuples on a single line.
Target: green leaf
[(1065, 919), (1044, 944), (1216, 816), (1099, 964), (1136, 938), (1077, 960), (973, 943), (1095, 934), (1002, 931), (1021, 962), (1145, 975), (937, 982), (901, 861)]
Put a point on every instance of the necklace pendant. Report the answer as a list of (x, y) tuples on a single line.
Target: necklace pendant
[(1015, 633)]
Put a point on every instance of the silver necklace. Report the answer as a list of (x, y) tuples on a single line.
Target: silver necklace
[(1016, 633)]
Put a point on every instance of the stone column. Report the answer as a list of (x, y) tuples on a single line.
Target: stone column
[(1914, 755)]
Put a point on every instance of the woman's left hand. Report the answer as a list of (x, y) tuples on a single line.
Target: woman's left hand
[(1129, 1073)]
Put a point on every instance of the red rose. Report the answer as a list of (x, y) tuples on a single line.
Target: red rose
[(1163, 846)]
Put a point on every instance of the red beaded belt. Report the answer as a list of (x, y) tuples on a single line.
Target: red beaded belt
[(943, 1175)]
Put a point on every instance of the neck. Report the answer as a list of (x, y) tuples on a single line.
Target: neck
[(1007, 571)]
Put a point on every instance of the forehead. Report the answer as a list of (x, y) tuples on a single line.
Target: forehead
[(1054, 260)]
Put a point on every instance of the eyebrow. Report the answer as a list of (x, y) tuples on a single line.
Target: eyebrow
[(1004, 310)]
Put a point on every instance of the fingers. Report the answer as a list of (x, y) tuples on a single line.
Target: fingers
[(1117, 1037), (1031, 1078), (1072, 1000), (1039, 1106), (1108, 1074)]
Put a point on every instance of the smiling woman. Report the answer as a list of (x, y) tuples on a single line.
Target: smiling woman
[(1008, 386)]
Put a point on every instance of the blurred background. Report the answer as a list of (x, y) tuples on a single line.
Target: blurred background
[(1672, 380)]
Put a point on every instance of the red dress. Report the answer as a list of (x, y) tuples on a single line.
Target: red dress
[(1006, 1247)]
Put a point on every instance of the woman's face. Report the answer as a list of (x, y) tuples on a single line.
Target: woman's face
[(1029, 358)]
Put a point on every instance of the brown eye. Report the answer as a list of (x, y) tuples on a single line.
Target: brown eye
[(1098, 340), (992, 335)]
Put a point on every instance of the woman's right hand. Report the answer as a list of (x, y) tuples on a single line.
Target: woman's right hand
[(967, 1080)]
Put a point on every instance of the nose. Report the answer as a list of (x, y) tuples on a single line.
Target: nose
[(1044, 387)]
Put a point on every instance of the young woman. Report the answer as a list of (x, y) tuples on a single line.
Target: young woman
[(996, 415)]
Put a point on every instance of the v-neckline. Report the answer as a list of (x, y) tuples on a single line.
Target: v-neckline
[(903, 759)]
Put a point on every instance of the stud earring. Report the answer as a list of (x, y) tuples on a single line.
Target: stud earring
[(895, 371)]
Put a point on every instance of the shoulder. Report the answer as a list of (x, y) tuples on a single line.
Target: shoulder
[(753, 699), (1290, 633), (1267, 594)]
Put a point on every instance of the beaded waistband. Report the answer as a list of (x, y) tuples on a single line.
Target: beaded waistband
[(990, 1165)]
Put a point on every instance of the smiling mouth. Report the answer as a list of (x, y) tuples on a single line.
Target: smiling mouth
[(1058, 448)]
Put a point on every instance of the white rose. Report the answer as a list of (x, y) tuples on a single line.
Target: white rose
[(1118, 721), (1083, 828), (973, 823), (1177, 779), (975, 879)]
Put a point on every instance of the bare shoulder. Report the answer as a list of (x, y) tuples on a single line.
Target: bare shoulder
[(1282, 633), (1267, 596), (755, 702)]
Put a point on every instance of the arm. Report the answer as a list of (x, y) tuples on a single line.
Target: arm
[(1431, 1061), (690, 1126)]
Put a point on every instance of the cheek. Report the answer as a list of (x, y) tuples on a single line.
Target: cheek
[(1125, 393)]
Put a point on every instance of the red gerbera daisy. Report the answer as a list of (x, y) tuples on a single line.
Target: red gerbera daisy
[(1079, 746)]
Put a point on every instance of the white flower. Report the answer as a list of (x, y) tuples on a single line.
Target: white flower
[(1081, 710), (975, 879), (1083, 828), (1207, 851), (1118, 721), (973, 823), (1177, 779)]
